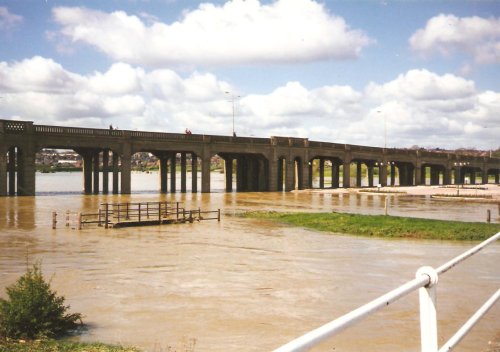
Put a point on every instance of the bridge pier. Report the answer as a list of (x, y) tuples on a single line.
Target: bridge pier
[(434, 175), (105, 171), (484, 175), (205, 174), (289, 175), (228, 168), (163, 172), (346, 173), (11, 168), (335, 174), (183, 172), (473, 177), (173, 171), (393, 174), (321, 173), (383, 174), (95, 159), (194, 173), (3, 171), (114, 165), (358, 173), (370, 174), (446, 176)]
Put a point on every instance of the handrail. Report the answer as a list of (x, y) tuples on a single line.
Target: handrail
[(455, 339), (425, 280)]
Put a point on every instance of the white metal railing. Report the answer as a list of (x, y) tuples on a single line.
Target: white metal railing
[(425, 280)]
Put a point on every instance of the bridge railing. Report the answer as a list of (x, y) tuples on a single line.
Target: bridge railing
[(315, 144), (81, 131), (425, 281)]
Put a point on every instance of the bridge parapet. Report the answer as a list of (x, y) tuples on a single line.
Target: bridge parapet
[(290, 141), (247, 140), (16, 127), (361, 148), (78, 131), (167, 136), (395, 151), (327, 145)]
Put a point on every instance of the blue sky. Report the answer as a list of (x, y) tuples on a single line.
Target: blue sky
[(339, 71)]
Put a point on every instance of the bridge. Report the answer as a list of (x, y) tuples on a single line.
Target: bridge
[(257, 164)]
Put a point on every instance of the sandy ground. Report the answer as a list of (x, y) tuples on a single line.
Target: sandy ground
[(489, 192)]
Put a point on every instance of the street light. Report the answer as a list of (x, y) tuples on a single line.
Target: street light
[(233, 97), (385, 129)]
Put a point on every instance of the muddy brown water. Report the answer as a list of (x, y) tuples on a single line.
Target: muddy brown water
[(243, 284)]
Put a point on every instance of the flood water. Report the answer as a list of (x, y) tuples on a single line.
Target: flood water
[(243, 284)]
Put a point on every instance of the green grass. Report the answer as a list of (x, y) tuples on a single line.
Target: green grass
[(61, 346), (384, 226)]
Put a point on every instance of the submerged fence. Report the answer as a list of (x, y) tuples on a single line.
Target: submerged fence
[(136, 214), (425, 281)]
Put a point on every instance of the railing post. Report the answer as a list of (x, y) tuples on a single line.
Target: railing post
[(79, 221), (159, 213), (54, 219), (428, 310), (106, 216)]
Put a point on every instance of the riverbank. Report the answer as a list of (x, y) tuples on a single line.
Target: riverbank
[(384, 226), (60, 346), (488, 193)]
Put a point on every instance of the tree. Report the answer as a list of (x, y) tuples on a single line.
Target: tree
[(33, 310)]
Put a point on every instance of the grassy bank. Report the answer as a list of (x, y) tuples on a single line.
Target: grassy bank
[(61, 346), (384, 226)]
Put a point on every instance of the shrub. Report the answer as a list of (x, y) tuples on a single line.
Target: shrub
[(33, 310)]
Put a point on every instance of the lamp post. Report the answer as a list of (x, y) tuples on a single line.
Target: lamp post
[(233, 97), (385, 128)]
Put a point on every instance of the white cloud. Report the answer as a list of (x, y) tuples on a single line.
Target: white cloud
[(41, 89), (448, 34), (8, 21), (118, 80), (37, 74), (238, 32), (418, 107), (421, 107)]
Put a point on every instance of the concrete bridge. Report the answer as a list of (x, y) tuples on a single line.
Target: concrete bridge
[(258, 164)]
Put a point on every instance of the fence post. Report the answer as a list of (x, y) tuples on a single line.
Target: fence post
[(126, 213), (428, 310), (159, 213), (488, 215), (218, 215), (54, 220), (79, 221), (139, 208), (99, 217), (177, 211), (106, 216), (67, 218)]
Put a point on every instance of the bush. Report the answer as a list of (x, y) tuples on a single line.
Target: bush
[(33, 310)]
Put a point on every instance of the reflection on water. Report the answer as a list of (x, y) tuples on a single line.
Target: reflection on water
[(241, 284)]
